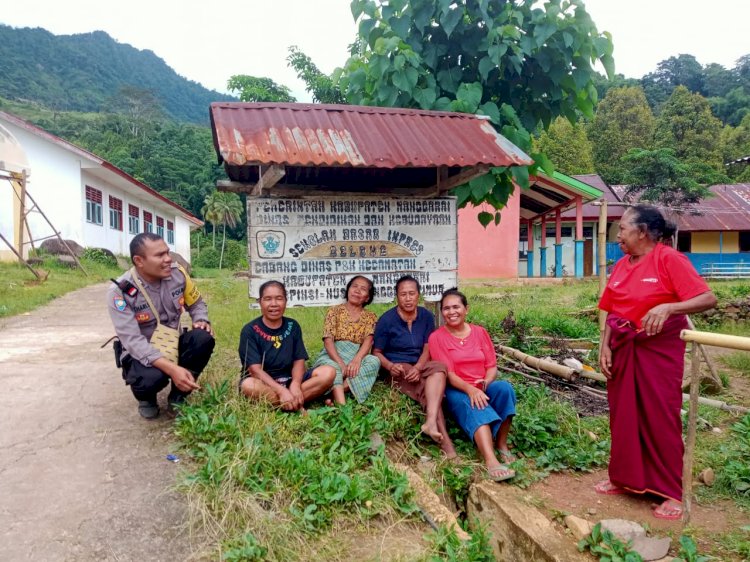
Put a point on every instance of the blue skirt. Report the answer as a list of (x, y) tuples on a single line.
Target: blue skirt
[(502, 404)]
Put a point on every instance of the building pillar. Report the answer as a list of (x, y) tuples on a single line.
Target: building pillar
[(579, 238), (530, 263), (529, 249), (558, 244), (543, 249), (579, 258), (558, 260)]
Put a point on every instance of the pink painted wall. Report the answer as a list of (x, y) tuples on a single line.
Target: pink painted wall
[(490, 252)]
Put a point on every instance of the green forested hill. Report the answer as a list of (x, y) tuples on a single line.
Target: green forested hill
[(87, 72)]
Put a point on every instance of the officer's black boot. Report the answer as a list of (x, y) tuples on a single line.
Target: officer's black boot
[(148, 409)]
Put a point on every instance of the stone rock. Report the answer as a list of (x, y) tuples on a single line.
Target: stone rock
[(107, 252), (707, 476), (67, 260), (55, 247), (651, 548), (241, 274), (35, 261), (623, 529), (578, 526), (591, 511), (716, 430), (182, 261)]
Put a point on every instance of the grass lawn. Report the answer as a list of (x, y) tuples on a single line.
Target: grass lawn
[(269, 485), (21, 292)]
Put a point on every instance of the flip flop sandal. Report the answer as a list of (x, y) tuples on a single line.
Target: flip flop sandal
[(500, 473), (668, 516), (607, 488), (507, 456)]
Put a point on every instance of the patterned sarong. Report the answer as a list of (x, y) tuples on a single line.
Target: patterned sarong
[(645, 398), (361, 384)]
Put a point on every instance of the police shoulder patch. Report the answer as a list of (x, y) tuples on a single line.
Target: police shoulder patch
[(120, 303)]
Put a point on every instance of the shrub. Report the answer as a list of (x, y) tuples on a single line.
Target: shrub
[(235, 256), (99, 255)]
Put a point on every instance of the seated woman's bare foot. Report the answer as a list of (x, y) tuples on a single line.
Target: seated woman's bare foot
[(450, 454), (432, 431)]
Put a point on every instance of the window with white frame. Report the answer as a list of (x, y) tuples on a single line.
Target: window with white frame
[(170, 232), (133, 219), (160, 226), (93, 205), (148, 222), (115, 213)]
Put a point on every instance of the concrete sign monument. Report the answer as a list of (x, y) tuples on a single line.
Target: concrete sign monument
[(314, 245)]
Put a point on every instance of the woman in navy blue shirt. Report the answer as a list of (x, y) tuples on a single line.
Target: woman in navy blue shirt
[(401, 345)]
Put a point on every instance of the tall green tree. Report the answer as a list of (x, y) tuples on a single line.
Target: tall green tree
[(736, 145), (732, 107), (623, 121), (658, 176), (567, 146), (322, 87), (210, 213), (227, 208), (520, 63), (682, 70), (687, 126), (255, 89)]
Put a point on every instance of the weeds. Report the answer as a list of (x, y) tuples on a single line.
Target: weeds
[(447, 547), (607, 548), (739, 360)]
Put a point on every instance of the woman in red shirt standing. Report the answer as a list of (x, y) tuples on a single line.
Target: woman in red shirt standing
[(482, 405), (650, 291)]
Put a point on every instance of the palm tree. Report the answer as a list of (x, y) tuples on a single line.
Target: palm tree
[(228, 209), (210, 213)]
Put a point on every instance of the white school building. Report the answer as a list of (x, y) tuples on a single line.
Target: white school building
[(86, 198)]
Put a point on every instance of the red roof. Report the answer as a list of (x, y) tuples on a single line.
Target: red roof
[(96, 159), (728, 209), (317, 135), (591, 212)]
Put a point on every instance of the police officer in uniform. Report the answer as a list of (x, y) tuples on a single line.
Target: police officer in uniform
[(145, 369)]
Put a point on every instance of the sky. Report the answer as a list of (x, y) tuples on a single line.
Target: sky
[(209, 42)]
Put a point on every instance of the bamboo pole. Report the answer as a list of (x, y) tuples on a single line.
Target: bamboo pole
[(20, 257), (542, 364), (718, 340), (718, 404), (687, 471), (593, 375)]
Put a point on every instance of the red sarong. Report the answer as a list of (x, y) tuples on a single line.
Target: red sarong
[(645, 397)]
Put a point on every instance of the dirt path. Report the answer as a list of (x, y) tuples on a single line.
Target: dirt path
[(82, 476)]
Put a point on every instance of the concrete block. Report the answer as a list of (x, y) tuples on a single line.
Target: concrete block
[(520, 533), (579, 527)]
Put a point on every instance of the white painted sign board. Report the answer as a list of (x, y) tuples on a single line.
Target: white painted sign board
[(315, 245)]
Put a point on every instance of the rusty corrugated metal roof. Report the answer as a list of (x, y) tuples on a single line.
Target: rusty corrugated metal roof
[(591, 212), (728, 209), (310, 135)]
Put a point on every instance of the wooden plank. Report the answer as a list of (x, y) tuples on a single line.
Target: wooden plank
[(443, 185), (228, 186), (268, 178)]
